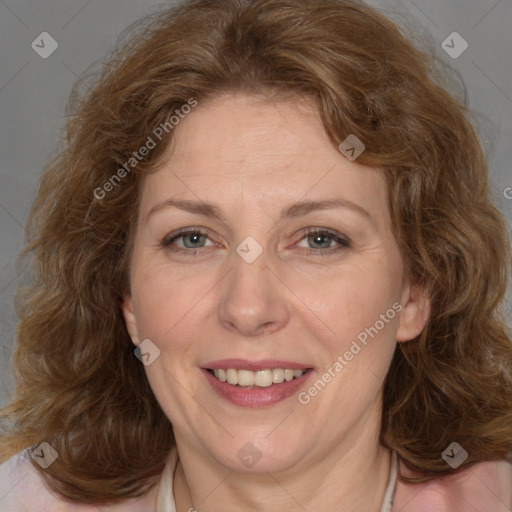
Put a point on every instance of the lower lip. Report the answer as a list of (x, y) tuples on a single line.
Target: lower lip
[(256, 396)]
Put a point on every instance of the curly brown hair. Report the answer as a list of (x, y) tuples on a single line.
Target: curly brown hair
[(79, 386)]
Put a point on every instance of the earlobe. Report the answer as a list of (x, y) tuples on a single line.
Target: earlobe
[(129, 319), (415, 313)]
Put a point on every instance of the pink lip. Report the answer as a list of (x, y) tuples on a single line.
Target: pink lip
[(263, 364), (256, 396)]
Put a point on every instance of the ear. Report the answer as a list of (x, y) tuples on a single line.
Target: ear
[(415, 312), (129, 319)]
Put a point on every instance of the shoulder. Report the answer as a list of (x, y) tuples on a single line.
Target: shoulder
[(483, 487), (22, 489)]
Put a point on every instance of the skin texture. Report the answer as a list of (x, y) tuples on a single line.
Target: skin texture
[(301, 300)]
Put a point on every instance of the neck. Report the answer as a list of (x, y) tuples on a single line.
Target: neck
[(353, 473)]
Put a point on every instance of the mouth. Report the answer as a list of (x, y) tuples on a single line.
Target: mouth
[(253, 379), (256, 383)]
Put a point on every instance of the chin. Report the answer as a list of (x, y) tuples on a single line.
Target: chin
[(259, 455)]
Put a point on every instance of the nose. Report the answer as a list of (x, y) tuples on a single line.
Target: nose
[(252, 298)]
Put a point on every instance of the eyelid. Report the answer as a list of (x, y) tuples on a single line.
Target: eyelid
[(326, 231), (343, 242), (166, 241)]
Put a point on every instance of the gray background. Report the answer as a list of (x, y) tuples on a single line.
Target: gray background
[(34, 91)]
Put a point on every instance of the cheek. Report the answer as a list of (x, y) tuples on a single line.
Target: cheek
[(166, 301), (352, 298)]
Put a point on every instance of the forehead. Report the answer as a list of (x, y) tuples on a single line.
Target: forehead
[(248, 148)]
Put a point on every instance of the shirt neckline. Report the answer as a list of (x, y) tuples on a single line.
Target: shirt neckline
[(166, 503), (389, 494)]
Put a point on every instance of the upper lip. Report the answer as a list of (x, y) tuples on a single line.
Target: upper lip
[(262, 364)]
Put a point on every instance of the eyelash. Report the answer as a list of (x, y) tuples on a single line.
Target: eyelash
[(344, 242)]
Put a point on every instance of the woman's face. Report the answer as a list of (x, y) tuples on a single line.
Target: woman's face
[(253, 290)]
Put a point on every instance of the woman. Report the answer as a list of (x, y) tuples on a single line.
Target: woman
[(267, 277)]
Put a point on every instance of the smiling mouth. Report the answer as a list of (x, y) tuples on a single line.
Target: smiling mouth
[(261, 378)]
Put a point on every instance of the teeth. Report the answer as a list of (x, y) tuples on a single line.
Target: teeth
[(277, 376), (232, 376), (260, 378), (289, 374), (221, 375), (245, 378)]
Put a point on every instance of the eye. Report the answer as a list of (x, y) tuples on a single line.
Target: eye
[(192, 240), (319, 238), (319, 241)]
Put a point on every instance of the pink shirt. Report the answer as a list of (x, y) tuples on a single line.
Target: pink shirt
[(485, 487)]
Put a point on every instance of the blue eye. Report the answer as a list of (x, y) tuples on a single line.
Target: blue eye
[(195, 237), (320, 236), (194, 240)]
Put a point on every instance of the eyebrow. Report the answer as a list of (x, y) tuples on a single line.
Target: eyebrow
[(293, 211)]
